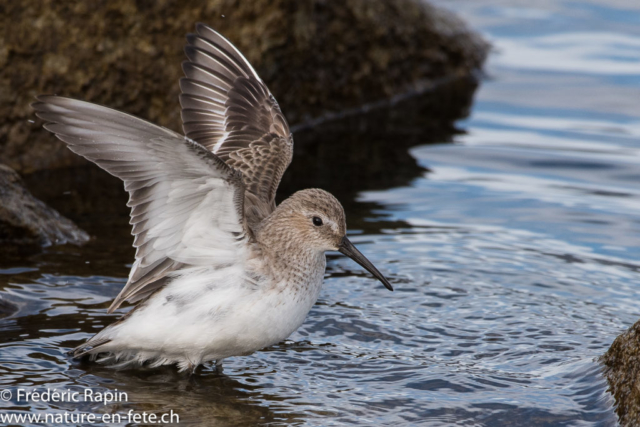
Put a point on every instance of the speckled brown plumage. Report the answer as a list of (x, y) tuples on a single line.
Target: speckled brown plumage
[(222, 270), (228, 109)]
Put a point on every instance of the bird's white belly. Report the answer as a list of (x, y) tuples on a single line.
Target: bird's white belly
[(213, 314)]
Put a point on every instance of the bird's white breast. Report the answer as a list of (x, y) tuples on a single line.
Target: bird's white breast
[(213, 313)]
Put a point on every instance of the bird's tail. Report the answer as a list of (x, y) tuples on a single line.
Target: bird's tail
[(92, 347)]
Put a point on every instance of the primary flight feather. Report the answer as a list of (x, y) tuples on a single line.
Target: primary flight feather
[(220, 270)]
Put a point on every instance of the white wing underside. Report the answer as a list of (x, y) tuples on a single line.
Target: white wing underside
[(186, 203)]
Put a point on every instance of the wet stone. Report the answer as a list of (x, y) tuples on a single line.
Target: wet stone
[(622, 370), (7, 308), (27, 222)]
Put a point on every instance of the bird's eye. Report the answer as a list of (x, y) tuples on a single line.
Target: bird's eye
[(317, 221)]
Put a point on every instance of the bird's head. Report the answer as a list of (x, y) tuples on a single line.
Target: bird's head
[(315, 219)]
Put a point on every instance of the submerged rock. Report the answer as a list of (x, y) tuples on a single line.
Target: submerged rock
[(7, 308), (26, 221), (320, 59), (622, 370)]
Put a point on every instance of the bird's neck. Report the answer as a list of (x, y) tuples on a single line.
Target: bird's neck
[(288, 255)]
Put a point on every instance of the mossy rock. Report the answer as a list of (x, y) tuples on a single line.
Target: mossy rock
[(318, 57), (622, 370)]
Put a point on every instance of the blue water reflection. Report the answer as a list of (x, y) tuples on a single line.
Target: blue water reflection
[(533, 216), (515, 256)]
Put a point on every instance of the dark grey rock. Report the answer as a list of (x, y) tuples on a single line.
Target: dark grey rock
[(7, 308), (26, 221)]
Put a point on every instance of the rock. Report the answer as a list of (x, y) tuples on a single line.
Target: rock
[(622, 370), (7, 308), (26, 221), (320, 58)]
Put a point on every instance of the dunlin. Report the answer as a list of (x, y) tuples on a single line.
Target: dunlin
[(220, 270)]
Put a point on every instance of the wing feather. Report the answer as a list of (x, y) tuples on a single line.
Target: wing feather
[(186, 203), (229, 110)]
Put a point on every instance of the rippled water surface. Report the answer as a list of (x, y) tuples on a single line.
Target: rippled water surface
[(514, 252)]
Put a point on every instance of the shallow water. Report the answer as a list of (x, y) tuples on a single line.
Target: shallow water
[(514, 254)]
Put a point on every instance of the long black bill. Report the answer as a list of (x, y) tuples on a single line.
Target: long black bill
[(347, 248)]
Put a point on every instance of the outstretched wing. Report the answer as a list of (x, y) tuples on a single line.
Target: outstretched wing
[(228, 109), (186, 203)]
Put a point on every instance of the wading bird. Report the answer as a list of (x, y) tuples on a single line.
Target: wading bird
[(220, 270)]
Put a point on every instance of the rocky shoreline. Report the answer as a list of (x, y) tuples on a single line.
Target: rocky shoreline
[(318, 58), (403, 63)]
